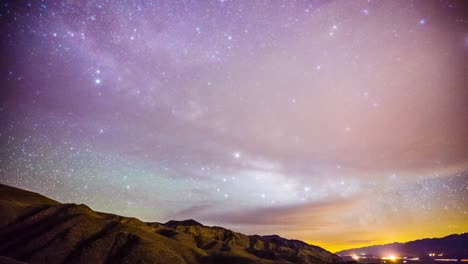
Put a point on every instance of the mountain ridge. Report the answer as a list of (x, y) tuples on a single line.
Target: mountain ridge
[(37, 229), (453, 245)]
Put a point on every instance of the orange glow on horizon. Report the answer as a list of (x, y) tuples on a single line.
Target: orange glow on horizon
[(391, 257), (336, 246)]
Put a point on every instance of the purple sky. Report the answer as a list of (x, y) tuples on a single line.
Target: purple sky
[(324, 121)]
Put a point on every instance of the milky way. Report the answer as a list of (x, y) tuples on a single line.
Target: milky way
[(341, 123)]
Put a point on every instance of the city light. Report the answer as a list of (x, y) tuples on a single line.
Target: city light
[(391, 257)]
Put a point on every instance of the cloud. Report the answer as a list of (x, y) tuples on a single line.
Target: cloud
[(307, 215), (191, 211)]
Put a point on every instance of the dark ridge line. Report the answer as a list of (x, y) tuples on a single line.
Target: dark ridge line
[(169, 233), (29, 229), (198, 240), (28, 255), (26, 222), (113, 247), (94, 237), (44, 228), (124, 250), (24, 217), (209, 245)]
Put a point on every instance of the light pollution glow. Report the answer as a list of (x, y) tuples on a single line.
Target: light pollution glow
[(340, 123)]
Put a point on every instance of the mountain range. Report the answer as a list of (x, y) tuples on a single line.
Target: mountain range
[(452, 246), (36, 229)]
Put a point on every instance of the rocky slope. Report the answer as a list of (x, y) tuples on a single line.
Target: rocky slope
[(36, 229)]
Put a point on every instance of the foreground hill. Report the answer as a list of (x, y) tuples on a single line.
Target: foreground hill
[(453, 246), (36, 229)]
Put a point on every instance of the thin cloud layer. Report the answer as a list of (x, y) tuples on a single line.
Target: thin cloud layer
[(319, 120)]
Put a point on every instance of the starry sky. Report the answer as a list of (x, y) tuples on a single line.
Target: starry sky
[(340, 123)]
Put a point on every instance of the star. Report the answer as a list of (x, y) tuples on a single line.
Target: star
[(296, 106)]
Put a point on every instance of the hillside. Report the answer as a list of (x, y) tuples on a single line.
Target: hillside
[(36, 229)]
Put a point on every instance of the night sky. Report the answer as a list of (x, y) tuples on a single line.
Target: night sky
[(340, 123)]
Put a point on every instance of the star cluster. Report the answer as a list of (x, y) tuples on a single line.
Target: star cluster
[(341, 123)]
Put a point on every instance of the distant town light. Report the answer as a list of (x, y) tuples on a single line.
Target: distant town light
[(391, 257)]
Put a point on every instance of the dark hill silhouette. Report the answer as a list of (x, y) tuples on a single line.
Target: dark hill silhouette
[(36, 229), (452, 246)]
